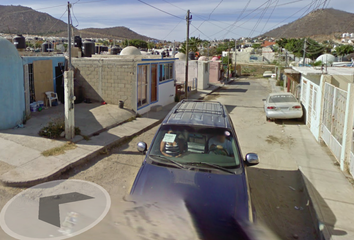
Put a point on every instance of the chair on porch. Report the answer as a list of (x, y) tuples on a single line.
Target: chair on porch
[(51, 96)]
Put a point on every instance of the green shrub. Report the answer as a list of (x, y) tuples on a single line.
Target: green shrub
[(55, 128)]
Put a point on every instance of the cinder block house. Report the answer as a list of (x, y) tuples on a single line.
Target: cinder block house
[(140, 81)]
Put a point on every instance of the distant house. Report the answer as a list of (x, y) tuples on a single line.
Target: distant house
[(268, 44)]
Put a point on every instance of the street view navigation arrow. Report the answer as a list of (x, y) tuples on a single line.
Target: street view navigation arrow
[(54, 210), (49, 206)]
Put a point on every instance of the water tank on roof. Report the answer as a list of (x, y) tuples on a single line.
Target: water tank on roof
[(47, 47), (97, 49), (20, 42), (191, 55), (115, 50), (88, 48), (77, 42)]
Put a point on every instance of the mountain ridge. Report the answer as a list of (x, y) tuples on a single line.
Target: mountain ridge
[(24, 20), (323, 22)]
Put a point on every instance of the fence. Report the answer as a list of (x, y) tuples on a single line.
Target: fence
[(333, 120)]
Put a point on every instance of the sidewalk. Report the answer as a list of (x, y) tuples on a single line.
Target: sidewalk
[(26, 166), (331, 194)]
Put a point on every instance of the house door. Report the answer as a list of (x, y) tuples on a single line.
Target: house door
[(142, 97), (154, 83), (43, 78)]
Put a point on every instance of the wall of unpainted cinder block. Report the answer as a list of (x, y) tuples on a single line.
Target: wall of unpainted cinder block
[(106, 80)]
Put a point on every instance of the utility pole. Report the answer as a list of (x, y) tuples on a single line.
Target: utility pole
[(305, 46), (286, 58), (188, 18), (208, 50), (235, 56), (228, 62), (69, 90)]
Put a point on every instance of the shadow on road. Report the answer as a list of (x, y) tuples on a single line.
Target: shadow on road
[(232, 90), (281, 203), (239, 83)]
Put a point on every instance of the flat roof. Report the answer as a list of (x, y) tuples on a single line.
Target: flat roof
[(330, 70)]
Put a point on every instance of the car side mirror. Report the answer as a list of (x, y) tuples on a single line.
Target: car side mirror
[(264, 100), (252, 159), (142, 147)]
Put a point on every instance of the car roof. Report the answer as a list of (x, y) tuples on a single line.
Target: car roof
[(201, 113)]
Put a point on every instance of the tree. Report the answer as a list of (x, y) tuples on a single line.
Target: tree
[(138, 43), (296, 46), (151, 45), (193, 45), (343, 50)]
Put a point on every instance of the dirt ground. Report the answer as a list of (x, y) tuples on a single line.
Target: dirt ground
[(276, 187)]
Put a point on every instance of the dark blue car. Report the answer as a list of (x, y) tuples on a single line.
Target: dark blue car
[(195, 158)]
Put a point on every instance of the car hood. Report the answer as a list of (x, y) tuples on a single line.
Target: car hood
[(214, 201)]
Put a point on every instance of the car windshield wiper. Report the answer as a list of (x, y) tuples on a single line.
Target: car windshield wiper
[(169, 160), (213, 165)]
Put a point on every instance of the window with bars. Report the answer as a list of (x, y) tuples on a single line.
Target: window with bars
[(31, 83)]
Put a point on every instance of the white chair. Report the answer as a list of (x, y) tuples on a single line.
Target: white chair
[(51, 96)]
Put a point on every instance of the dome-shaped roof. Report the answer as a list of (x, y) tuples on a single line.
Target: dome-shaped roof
[(326, 58), (180, 56), (12, 98), (130, 50), (203, 58), (8, 50), (215, 59)]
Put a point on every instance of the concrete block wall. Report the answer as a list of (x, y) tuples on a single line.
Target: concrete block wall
[(109, 80)]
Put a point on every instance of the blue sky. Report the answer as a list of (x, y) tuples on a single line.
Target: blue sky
[(228, 20)]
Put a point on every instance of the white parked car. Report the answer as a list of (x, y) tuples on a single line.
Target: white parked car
[(267, 74), (282, 106)]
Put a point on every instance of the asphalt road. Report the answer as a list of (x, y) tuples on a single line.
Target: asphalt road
[(276, 188)]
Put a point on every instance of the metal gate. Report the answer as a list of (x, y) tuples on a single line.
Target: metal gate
[(333, 118), (311, 97)]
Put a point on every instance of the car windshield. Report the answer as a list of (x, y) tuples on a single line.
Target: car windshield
[(186, 144), (282, 99)]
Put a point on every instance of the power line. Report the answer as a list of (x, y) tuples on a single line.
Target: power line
[(160, 10), (209, 15), (72, 10), (56, 22), (200, 31), (244, 9), (173, 29), (271, 14), (260, 18)]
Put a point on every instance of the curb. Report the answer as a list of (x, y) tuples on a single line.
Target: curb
[(57, 173), (322, 230), (80, 161)]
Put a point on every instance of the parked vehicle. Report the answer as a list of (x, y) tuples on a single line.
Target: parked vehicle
[(267, 74), (195, 158), (282, 106)]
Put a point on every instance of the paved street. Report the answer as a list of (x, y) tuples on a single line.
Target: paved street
[(277, 191)]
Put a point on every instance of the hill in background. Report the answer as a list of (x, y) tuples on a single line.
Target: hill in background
[(25, 20), (323, 23)]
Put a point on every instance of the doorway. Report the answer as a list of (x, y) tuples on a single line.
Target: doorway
[(59, 80), (154, 83)]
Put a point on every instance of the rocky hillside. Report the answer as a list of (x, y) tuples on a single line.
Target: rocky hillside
[(24, 20), (319, 23)]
